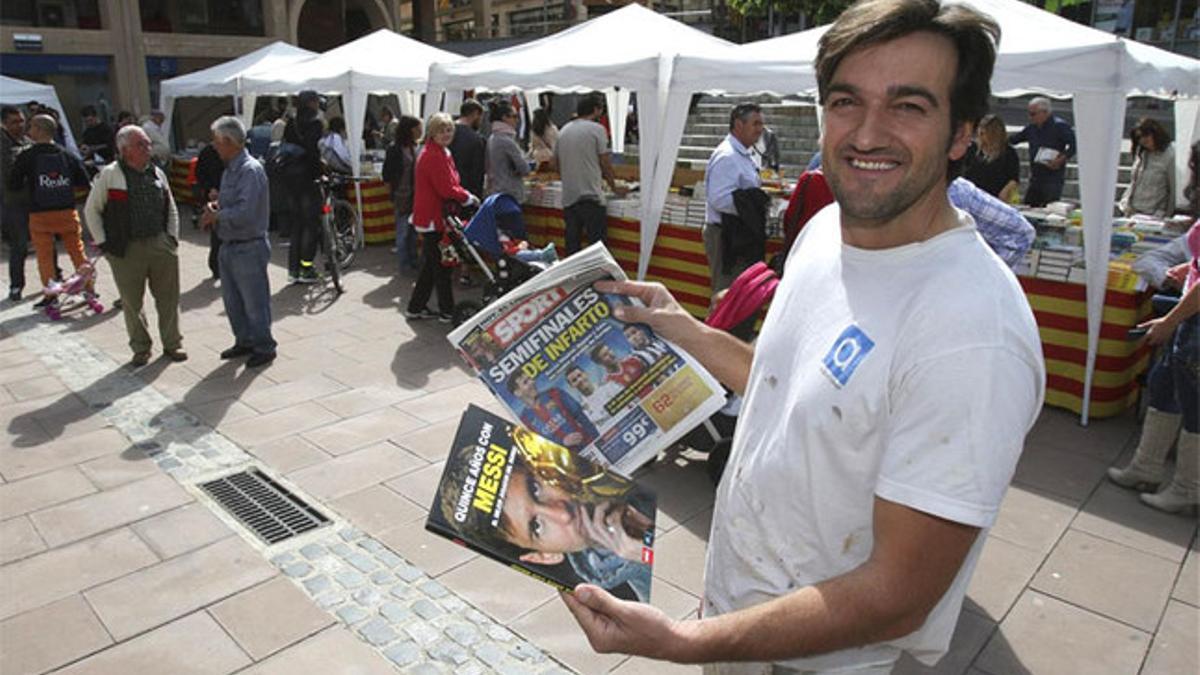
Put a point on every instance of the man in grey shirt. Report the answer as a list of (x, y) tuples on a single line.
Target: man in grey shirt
[(240, 216), (583, 160), (1165, 267)]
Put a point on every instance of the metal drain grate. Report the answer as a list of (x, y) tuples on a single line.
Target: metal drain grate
[(267, 508)]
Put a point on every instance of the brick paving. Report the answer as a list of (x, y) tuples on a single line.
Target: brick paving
[(111, 560)]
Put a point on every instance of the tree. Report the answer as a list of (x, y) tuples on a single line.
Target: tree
[(818, 11)]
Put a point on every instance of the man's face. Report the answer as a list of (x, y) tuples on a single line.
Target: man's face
[(14, 124), (606, 357), (90, 120), (136, 151), (749, 130), (637, 337), (524, 388), (1037, 116), (887, 134), (474, 119), (158, 118), (226, 148), (580, 382), (541, 517)]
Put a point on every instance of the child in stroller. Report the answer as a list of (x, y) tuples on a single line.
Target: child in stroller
[(498, 230)]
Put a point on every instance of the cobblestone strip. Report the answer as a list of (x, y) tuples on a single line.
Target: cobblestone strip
[(410, 618)]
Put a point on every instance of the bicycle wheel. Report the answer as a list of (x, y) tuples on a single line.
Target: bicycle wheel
[(345, 232), (329, 250)]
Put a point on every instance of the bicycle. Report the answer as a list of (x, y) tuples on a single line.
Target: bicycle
[(341, 232)]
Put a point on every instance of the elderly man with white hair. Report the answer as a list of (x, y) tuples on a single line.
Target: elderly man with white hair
[(132, 218), (1051, 143), (241, 215)]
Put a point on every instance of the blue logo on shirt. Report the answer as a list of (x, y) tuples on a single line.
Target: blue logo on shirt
[(848, 350)]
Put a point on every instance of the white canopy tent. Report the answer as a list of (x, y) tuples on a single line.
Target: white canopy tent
[(1039, 52), (19, 92), (226, 79), (632, 48), (380, 63)]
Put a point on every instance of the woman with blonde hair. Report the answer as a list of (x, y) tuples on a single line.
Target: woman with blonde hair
[(991, 163), (435, 185)]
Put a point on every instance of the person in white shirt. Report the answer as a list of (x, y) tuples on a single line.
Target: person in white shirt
[(590, 395), (160, 149), (887, 397), (731, 167), (333, 147)]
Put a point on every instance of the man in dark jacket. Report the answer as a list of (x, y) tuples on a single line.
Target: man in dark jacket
[(97, 136), (305, 130), (468, 147), (209, 168), (14, 203)]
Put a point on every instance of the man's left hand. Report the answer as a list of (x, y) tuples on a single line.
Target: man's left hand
[(614, 625), (1058, 162)]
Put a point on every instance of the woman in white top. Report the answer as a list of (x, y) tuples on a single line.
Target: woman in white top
[(333, 146), (1151, 188)]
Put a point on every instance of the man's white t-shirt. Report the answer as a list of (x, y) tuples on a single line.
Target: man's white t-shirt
[(911, 374), (594, 404)]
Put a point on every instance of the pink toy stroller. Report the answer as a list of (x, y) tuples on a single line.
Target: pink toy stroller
[(77, 290)]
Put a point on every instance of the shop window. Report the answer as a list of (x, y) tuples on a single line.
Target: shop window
[(537, 21), (208, 17), (51, 13), (459, 30)]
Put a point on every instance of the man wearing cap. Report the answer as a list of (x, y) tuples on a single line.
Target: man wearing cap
[(305, 130)]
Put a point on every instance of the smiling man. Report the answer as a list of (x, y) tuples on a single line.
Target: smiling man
[(887, 397)]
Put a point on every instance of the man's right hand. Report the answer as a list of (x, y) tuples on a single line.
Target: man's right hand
[(664, 315)]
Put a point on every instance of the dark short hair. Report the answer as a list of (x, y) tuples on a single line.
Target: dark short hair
[(501, 108), (1152, 128), (574, 367), (589, 103), (88, 111), (511, 383), (742, 111), (867, 23), (469, 107), (541, 120), (404, 129), (337, 124), (7, 111)]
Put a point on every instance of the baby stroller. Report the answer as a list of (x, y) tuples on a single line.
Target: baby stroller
[(498, 215)]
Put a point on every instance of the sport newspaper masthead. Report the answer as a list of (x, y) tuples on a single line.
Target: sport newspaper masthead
[(554, 353)]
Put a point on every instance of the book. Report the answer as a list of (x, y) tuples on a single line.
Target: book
[(554, 353), (543, 509)]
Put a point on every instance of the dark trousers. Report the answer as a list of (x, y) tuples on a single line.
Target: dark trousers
[(16, 233), (1172, 383), (247, 293), (433, 275), (1042, 192), (585, 216), (306, 229), (214, 253)]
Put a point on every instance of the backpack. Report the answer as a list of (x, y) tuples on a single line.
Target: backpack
[(52, 188), (287, 162)]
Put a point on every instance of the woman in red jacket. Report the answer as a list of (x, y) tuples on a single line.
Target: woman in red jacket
[(435, 181)]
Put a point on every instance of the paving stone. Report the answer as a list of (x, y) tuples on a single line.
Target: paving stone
[(510, 668), (350, 534), (434, 590), (491, 654), (314, 551), (377, 632), (383, 578), (283, 559), (298, 570), (317, 585), (352, 614), (422, 633), (452, 603), (395, 612), (341, 550), (500, 633), (366, 596), (476, 616), (464, 634), (362, 563), (469, 669), (408, 573), (269, 617), (426, 609), (402, 592), (425, 669), (330, 600), (350, 579), (526, 652), (447, 651), (170, 463), (389, 559), (403, 654), (372, 546)]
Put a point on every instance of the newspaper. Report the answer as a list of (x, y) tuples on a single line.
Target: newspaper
[(554, 353)]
